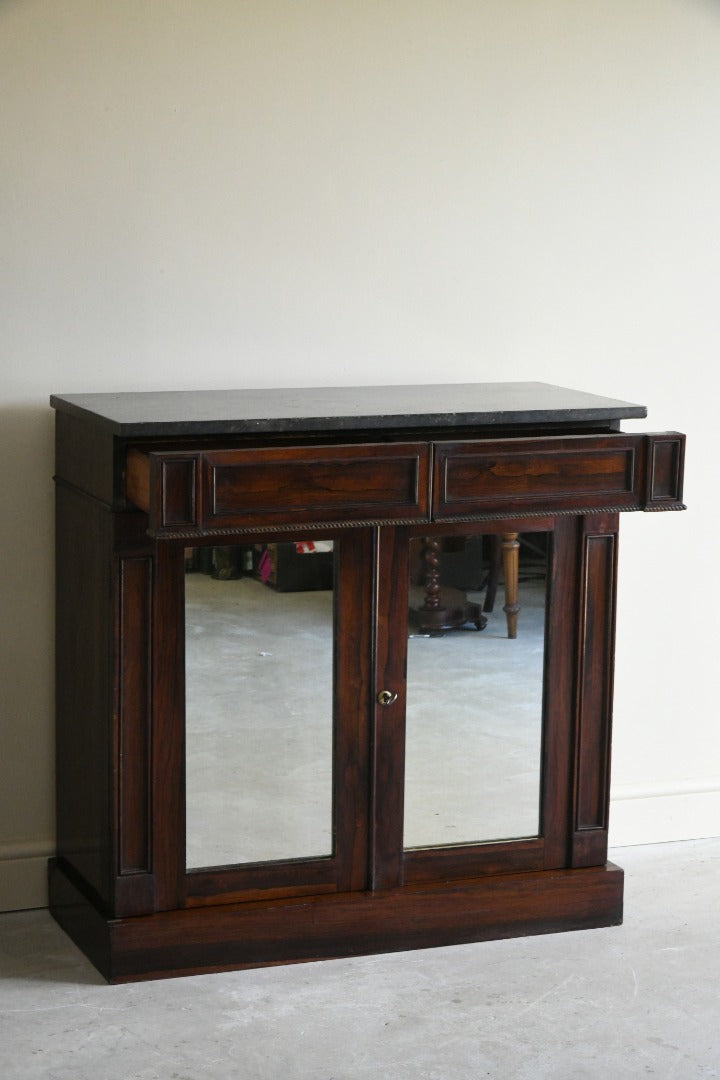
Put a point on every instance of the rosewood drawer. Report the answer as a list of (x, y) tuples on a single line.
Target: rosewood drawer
[(580, 474), (231, 490), (225, 491)]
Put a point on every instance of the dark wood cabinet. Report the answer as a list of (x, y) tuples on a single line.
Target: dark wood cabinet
[(222, 802)]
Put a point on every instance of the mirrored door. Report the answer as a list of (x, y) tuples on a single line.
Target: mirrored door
[(473, 757), (474, 700), (392, 724), (259, 703), (274, 728)]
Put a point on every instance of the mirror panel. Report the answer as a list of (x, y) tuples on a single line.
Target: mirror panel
[(474, 697), (259, 711)]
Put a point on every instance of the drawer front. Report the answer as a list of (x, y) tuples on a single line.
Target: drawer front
[(228, 490), (582, 473), (224, 491), (318, 484)]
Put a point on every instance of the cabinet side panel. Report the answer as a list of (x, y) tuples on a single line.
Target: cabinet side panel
[(85, 456), (84, 687)]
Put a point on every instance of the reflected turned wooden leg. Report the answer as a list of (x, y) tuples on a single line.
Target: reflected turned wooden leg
[(510, 559), (441, 608), (431, 561), (494, 560)]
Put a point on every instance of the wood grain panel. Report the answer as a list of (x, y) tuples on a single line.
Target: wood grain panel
[(244, 487), (134, 697), (84, 688), (523, 475), (559, 691), (387, 796), (240, 489), (666, 463), (178, 492), (595, 686), (168, 695), (350, 924)]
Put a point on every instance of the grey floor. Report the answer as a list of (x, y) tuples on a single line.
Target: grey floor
[(640, 1000)]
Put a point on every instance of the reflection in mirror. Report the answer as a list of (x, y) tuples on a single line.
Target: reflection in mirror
[(259, 711), (474, 697)]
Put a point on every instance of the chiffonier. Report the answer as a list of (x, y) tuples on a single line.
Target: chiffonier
[(247, 776)]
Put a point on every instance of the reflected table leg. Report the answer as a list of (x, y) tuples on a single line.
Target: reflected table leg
[(441, 608), (510, 558)]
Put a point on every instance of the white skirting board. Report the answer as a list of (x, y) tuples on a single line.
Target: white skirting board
[(637, 816), (23, 875), (657, 816)]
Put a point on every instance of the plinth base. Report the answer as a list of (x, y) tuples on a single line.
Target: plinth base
[(261, 933)]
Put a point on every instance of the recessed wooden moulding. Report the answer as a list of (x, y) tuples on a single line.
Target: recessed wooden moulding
[(250, 775)]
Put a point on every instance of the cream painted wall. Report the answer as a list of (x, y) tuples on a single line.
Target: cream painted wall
[(203, 193)]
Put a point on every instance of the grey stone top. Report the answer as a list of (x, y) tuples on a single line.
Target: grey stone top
[(363, 408)]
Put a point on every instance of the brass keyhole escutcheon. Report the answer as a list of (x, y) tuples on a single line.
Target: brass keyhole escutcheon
[(386, 697)]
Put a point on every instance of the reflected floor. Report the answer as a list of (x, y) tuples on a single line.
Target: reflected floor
[(259, 735), (474, 726), (259, 722)]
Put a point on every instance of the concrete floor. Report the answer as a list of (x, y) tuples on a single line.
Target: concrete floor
[(633, 1001)]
